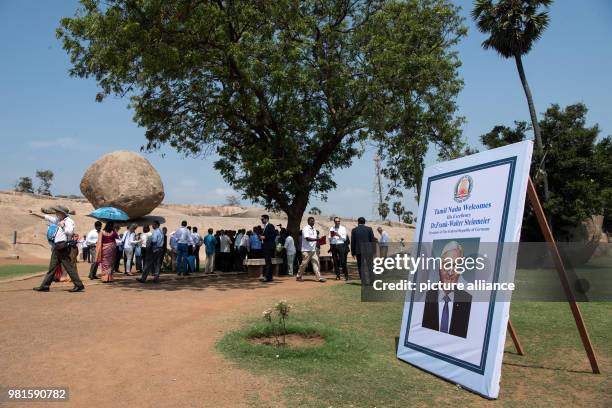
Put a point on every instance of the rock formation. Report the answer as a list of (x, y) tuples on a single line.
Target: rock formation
[(124, 180)]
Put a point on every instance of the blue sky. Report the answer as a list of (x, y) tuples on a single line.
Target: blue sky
[(49, 120)]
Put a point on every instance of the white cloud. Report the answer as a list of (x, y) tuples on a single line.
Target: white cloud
[(62, 142), (189, 183), (223, 192), (351, 192)]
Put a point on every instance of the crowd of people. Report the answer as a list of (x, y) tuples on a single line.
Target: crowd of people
[(148, 249)]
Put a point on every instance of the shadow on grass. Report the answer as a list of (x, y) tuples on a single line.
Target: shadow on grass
[(541, 367)]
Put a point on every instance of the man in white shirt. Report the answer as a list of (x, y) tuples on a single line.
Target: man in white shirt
[(309, 250), (130, 241), (92, 239), (224, 252), (183, 241), (383, 242), (61, 251), (238, 257), (90, 242), (290, 251), (339, 248)]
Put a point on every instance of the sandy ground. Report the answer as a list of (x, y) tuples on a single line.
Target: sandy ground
[(136, 345), (32, 232)]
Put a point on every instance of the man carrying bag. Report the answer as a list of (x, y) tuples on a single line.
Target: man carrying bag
[(62, 241)]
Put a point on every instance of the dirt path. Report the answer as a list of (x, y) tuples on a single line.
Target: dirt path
[(133, 345)]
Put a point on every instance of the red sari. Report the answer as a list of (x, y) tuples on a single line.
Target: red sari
[(105, 254)]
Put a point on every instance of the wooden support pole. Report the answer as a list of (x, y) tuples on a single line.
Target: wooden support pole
[(515, 339), (556, 256)]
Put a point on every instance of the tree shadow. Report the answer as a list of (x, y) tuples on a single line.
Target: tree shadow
[(196, 283)]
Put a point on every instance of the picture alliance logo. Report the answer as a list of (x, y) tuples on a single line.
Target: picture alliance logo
[(463, 188)]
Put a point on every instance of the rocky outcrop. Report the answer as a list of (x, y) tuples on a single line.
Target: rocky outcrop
[(124, 180)]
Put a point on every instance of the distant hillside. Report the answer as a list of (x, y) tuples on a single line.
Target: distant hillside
[(31, 231)]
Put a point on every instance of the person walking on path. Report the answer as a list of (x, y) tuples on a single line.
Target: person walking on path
[(61, 249), (309, 251), (92, 243), (339, 249), (106, 251), (362, 239)]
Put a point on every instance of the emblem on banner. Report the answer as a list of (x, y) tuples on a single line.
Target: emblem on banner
[(463, 188)]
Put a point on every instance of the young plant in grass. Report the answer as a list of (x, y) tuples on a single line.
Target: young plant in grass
[(278, 321)]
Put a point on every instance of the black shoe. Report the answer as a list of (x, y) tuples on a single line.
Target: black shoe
[(41, 289), (93, 277), (346, 277), (156, 280), (140, 280), (77, 288)]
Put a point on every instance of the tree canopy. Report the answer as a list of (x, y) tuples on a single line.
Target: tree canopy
[(284, 92), (45, 178), (24, 185), (579, 168)]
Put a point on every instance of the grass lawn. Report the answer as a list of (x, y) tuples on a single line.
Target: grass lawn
[(357, 366), (11, 271)]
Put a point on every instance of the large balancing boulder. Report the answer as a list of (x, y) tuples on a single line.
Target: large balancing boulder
[(124, 180)]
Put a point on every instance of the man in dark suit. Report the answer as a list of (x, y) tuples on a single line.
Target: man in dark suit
[(448, 311), (362, 238), (268, 246)]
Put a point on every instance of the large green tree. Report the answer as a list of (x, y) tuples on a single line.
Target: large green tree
[(513, 27), (580, 170), (284, 92)]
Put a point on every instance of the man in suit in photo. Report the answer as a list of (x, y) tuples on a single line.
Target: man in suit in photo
[(268, 237), (448, 311), (362, 248)]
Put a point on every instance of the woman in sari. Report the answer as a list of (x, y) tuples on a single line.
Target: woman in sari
[(106, 251)]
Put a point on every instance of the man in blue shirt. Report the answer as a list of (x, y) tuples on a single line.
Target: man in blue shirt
[(153, 261), (255, 244), (184, 241), (210, 244)]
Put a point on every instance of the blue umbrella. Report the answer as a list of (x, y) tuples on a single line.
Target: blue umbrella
[(110, 214)]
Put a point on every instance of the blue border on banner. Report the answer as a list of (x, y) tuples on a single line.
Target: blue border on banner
[(502, 232)]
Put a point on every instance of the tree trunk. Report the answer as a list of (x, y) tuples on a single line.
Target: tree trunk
[(534, 122), (295, 212)]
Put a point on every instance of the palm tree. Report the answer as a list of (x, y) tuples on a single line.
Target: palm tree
[(513, 27), (383, 210), (398, 209)]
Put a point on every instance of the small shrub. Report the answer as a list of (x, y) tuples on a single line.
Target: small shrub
[(277, 320)]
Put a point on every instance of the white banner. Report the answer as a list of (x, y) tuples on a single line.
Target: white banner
[(465, 203)]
